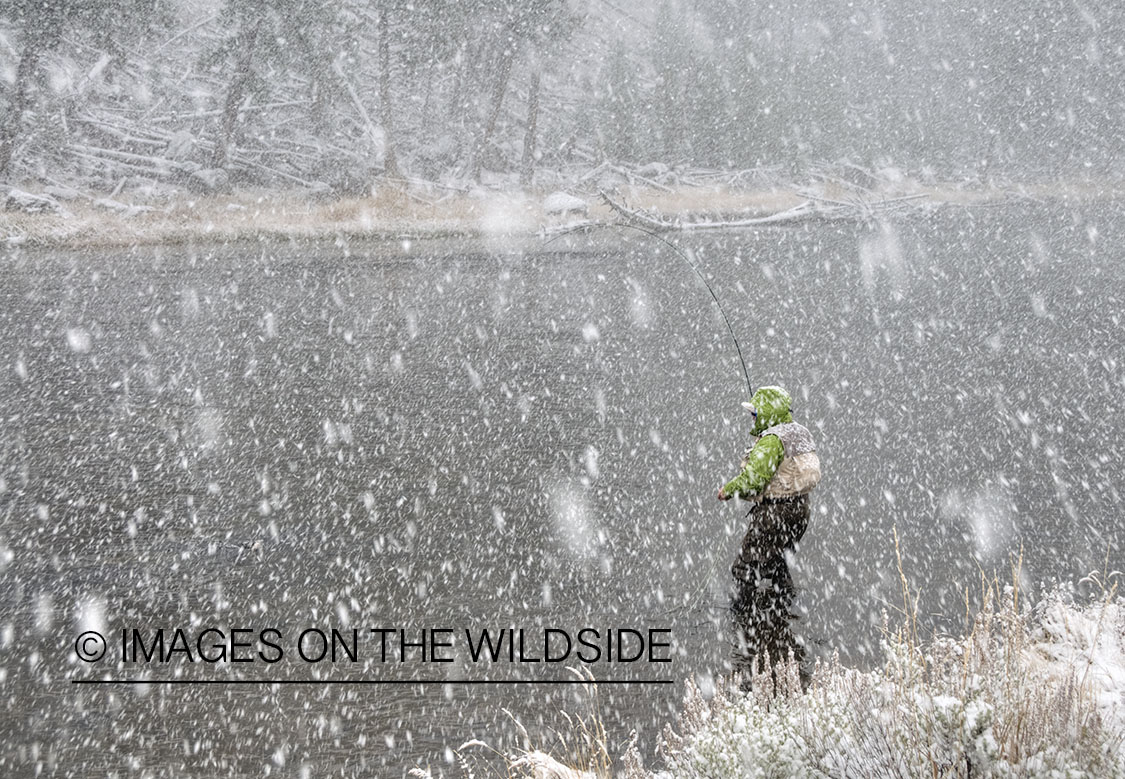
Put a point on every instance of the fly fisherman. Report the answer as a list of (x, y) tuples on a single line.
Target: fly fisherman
[(779, 469)]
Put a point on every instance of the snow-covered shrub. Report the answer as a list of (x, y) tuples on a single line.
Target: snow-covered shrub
[(1026, 693)]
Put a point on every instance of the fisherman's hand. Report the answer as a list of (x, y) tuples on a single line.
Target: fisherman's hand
[(723, 495)]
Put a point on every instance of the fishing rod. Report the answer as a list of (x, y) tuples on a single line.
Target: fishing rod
[(694, 597), (698, 273)]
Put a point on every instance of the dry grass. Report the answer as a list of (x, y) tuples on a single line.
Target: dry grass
[(389, 213), (581, 748), (397, 211), (1022, 693), (714, 201)]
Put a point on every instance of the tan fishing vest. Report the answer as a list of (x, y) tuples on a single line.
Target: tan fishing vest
[(799, 471)]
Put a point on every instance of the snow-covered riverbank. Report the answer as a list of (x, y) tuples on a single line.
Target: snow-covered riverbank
[(1035, 692), (83, 220), (1039, 693)]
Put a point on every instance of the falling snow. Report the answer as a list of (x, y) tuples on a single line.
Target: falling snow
[(437, 316)]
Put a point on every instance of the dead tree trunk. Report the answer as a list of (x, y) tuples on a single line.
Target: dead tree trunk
[(42, 31), (457, 98), (527, 166), (390, 161), (10, 131), (498, 91), (234, 97)]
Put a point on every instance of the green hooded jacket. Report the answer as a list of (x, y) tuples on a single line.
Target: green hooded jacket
[(771, 407)]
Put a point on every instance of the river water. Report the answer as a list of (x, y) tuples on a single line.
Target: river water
[(513, 433)]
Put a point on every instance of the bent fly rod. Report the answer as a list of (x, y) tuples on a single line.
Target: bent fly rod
[(695, 596), (698, 273)]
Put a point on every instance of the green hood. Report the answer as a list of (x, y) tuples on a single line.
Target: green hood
[(772, 405)]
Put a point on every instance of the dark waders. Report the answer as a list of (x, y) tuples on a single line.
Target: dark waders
[(761, 606)]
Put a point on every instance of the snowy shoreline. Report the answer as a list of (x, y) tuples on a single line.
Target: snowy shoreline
[(88, 221), (1024, 691), (1034, 691)]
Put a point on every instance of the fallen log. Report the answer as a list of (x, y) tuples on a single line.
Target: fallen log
[(635, 177), (115, 165), (159, 163), (18, 200), (808, 210), (804, 211), (125, 209)]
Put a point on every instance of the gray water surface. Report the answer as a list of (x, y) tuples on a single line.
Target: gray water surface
[(513, 433)]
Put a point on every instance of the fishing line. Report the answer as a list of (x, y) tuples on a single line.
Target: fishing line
[(694, 598), (693, 266)]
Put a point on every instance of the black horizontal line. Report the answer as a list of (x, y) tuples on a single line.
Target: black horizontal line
[(370, 681)]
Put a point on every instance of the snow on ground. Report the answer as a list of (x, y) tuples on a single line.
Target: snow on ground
[(1088, 644), (1024, 693), (1036, 692)]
